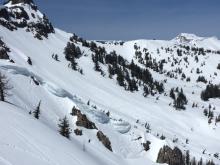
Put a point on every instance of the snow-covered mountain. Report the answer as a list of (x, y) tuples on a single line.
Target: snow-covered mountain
[(127, 102)]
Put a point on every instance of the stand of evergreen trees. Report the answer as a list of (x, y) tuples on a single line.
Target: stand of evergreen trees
[(128, 75), (5, 87), (64, 127), (211, 91), (179, 100), (72, 53)]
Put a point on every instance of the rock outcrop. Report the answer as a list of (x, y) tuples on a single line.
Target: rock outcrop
[(170, 156), (104, 139), (82, 120), (13, 16), (21, 1)]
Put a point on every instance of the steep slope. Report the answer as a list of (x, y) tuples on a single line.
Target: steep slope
[(25, 140), (39, 69)]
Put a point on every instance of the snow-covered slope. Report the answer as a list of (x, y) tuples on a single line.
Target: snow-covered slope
[(132, 120)]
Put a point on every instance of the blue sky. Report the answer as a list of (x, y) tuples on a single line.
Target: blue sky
[(134, 19)]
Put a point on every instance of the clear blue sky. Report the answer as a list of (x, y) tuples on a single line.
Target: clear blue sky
[(134, 19)]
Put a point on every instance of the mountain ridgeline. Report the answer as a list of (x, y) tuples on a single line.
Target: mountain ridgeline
[(14, 16)]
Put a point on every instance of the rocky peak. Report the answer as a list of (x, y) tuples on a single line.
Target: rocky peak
[(17, 14), (186, 38), (13, 2)]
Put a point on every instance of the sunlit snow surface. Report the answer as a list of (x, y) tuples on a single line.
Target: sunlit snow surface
[(26, 141)]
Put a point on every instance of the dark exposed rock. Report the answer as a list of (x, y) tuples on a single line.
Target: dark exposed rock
[(21, 1), (29, 2), (42, 28), (15, 17), (82, 120), (104, 139), (78, 132), (169, 156)]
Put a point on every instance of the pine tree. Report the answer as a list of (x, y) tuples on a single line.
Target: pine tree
[(187, 158), (146, 91), (72, 52), (74, 111), (200, 162), (180, 101), (73, 64), (205, 112), (4, 87), (218, 67), (64, 127), (110, 71), (120, 77), (29, 61), (193, 161), (36, 112), (172, 94)]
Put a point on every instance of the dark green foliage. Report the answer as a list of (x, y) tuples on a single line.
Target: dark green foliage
[(218, 67), (205, 112), (72, 52), (170, 156), (211, 91), (187, 158), (147, 146), (29, 61), (74, 111), (201, 79), (175, 157), (36, 112), (75, 38), (172, 94), (64, 127), (217, 119), (4, 87), (210, 162), (128, 75), (120, 77), (96, 63), (146, 91), (4, 50), (179, 52), (180, 101)]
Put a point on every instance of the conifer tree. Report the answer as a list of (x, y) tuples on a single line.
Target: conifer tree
[(187, 158), (4, 87), (172, 94), (36, 112), (64, 127), (180, 101)]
